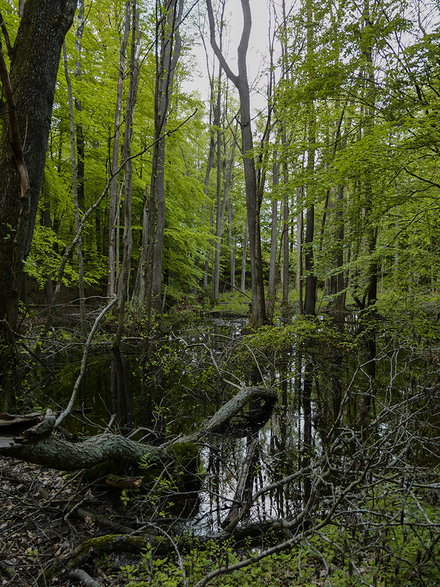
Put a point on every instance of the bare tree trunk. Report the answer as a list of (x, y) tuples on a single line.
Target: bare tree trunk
[(124, 276), (244, 260), (140, 286), (253, 203), (310, 293), (209, 166), (167, 55), (286, 236), (370, 296), (231, 243), (337, 280), (272, 290), (299, 252), (219, 195), (74, 164), (113, 191), (285, 244), (311, 282), (80, 143)]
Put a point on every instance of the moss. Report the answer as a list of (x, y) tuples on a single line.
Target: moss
[(107, 544)]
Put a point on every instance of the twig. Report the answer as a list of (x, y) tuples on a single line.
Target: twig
[(101, 315)]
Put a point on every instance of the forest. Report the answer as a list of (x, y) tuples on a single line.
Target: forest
[(219, 292)]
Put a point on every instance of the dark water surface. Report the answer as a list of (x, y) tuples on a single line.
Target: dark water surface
[(170, 386)]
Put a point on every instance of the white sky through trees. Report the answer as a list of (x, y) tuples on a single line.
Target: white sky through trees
[(258, 53)]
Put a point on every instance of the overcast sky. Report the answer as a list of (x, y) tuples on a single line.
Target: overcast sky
[(258, 54)]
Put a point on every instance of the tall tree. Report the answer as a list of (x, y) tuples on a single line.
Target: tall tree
[(219, 200), (28, 88), (113, 189), (253, 196), (168, 48), (311, 281), (75, 189), (124, 275)]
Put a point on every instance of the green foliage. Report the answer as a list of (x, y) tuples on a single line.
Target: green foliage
[(233, 301), (388, 541), (45, 259), (272, 346), (413, 317)]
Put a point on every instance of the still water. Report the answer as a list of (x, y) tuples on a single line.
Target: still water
[(170, 386)]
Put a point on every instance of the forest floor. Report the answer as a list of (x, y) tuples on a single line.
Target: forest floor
[(44, 516)]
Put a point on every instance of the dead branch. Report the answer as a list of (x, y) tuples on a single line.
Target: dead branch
[(85, 355)]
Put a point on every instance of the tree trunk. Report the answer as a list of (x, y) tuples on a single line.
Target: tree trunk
[(124, 276), (80, 142), (310, 293), (206, 182), (299, 252), (231, 243), (285, 242), (309, 262), (32, 78), (167, 54), (139, 292), (113, 257), (253, 203), (219, 194), (244, 260), (74, 164), (370, 296), (337, 280), (273, 265)]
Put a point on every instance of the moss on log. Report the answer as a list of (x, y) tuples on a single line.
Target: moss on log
[(245, 412)]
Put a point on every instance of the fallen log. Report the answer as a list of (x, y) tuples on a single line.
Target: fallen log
[(61, 454), (35, 440)]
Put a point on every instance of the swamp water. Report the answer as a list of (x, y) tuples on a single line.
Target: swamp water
[(170, 387)]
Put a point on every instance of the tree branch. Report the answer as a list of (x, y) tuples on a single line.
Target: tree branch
[(231, 75), (428, 181), (69, 407)]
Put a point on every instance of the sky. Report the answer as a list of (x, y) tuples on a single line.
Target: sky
[(258, 53)]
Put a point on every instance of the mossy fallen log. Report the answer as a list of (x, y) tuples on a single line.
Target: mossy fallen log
[(35, 440)]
